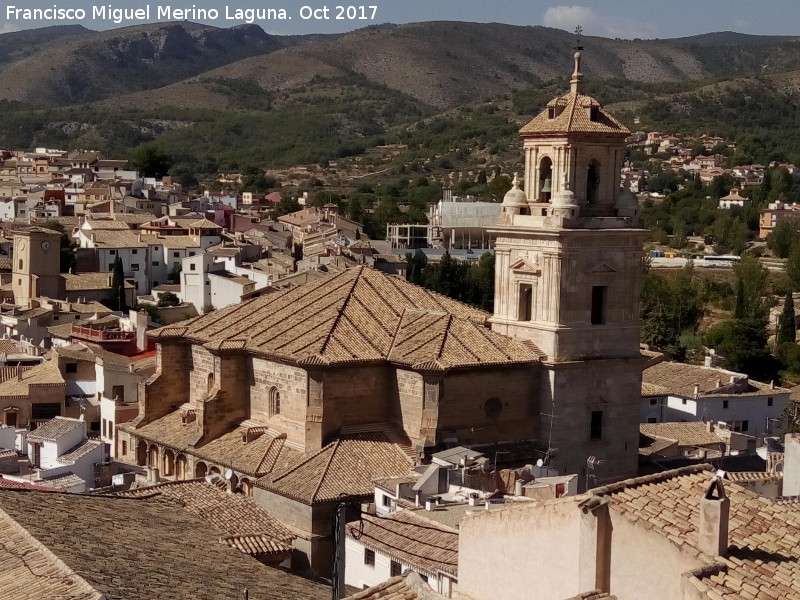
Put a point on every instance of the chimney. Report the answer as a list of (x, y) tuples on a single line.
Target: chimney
[(710, 426), (714, 513), (696, 390)]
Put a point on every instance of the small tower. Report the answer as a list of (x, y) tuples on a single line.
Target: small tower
[(36, 265), (567, 280)]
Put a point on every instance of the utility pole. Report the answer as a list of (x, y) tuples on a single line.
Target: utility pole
[(339, 537)]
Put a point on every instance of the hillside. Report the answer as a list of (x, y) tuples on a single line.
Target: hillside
[(453, 93)]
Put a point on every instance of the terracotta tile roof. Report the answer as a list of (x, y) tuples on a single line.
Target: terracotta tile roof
[(119, 238), (753, 476), (24, 561), (54, 429), (410, 538), (106, 224), (78, 451), (346, 466), (204, 224), (438, 341), (76, 282), (11, 347), (574, 118), (690, 434), (356, 316), (249, 527), (64, 481), (764, 553), (176, 242), (679, 379), (166, 552), (257, 457), (403, 587), (649, 446)]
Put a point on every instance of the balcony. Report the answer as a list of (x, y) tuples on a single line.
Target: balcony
[(102, 335)]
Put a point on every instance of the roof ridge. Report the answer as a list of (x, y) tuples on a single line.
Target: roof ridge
[(648, 479), (338, 317), (337, 443), (445, 333)]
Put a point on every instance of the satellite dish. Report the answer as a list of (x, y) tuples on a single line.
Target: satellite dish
[(228, 474), (540, 463)]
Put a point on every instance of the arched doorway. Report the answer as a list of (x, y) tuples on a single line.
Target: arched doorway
[(215, 471), (200, 470), (141, 453), (592, 182), (168, 468), (247, 487), (181, 467)]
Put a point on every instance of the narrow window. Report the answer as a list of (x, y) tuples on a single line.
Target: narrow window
[(525, 301), (387, 501), (724, 404), (769, 401), (124, 448), (599, 293), (652, 420), (274, 402), (71, 367), (745, 425), (596, 425), (369, 557), (395, 569)]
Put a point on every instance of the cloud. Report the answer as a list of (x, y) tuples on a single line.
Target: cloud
[(569, 17), (9, 28)]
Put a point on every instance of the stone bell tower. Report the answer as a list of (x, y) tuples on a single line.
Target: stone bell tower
[(568, 259)]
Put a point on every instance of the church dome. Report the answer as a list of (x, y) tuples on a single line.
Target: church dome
[(515, 197)]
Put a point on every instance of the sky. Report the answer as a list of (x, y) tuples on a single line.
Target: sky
[(607, 18)]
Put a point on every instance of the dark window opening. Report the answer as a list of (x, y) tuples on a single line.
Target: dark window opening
[(599, 293), (369, 557), (71, 367), (45, 410), (652, 420), (592, 182), (395, 569), (525, 302), (596, 425), (724, 404), (11, 418), (769, 401), (594, 114), (387, 501)]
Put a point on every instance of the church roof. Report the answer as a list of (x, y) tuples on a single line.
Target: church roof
[(345, 466), (573, 114), (357, 316)]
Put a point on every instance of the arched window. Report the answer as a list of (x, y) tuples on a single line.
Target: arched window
[(274, 402), (210, 382), (592, 181), (545, 179)]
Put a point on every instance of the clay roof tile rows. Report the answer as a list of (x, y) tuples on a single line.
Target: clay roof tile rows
[(763, 553), (410, 538), (574, 117), (356, 316), (166, 552), (346, 466)]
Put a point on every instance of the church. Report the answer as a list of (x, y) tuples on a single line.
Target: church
[(316, 391)]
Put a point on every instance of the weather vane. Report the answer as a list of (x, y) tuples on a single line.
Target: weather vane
[(578, 34)]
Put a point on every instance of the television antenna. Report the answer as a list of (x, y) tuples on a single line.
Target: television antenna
[(578, 35)]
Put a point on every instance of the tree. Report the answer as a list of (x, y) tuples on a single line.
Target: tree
[(355, 211), (787, 328), (117, 300), (782, 237), (175, 274), (793, 267), (499, 186), (168, 299), (751, 280), (150, 161), (286, 206), (743, 345)]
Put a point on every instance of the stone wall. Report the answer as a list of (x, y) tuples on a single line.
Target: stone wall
[(292, 385), (228, 402), (482, 405), (169, 387), (410, 396), (356, 396)]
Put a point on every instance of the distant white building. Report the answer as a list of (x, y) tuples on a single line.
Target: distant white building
[(674, 391), (63, 456), (733, 199)]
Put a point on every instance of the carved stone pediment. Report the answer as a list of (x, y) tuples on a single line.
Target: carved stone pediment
[(523, 265), (602, 267)]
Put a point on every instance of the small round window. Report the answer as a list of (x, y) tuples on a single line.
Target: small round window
[(492, 408)]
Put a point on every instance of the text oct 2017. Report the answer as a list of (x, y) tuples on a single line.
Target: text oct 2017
[(350, 12)]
